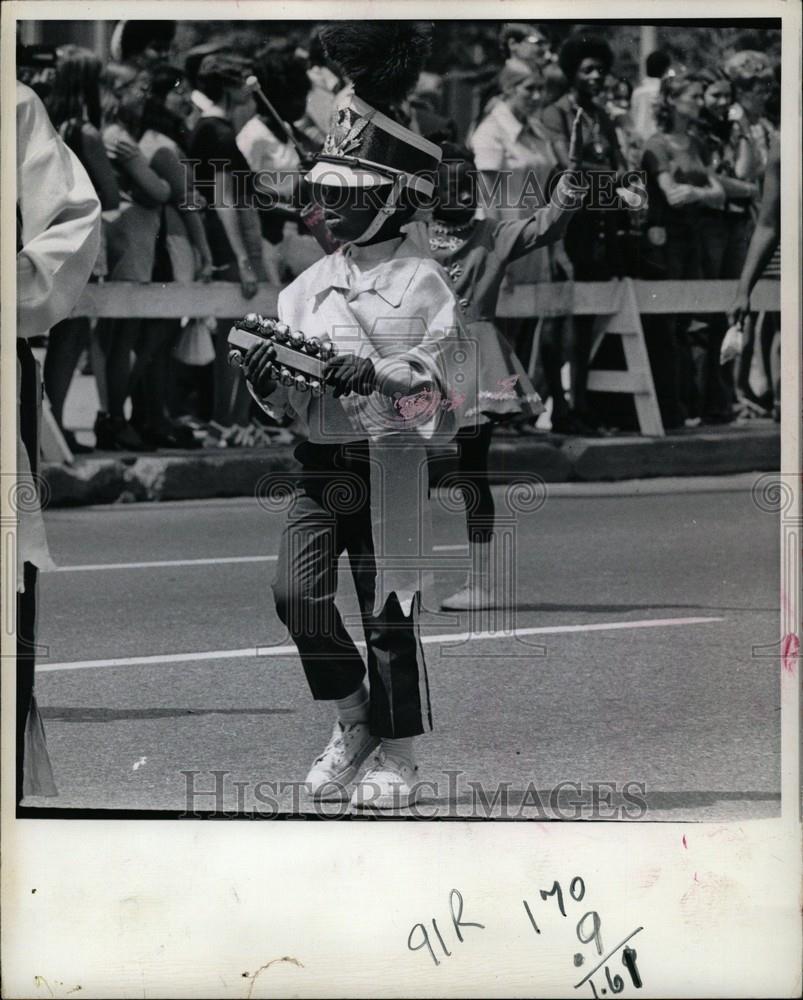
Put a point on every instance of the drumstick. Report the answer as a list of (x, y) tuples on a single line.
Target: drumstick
[(253, 85)]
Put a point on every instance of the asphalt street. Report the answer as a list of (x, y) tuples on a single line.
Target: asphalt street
[(625, 683)]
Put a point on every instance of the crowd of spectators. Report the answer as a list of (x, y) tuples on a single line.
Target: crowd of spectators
[(699, 139)]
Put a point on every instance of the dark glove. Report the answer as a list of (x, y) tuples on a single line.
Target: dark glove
[(258, 366), (348, 373)]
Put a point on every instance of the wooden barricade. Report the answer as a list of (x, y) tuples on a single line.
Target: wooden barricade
[(617, 305)]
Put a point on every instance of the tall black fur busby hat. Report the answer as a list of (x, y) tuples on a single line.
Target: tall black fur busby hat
[(132, 39), (366, 144)]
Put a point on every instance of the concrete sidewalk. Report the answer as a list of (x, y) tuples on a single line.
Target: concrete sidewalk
[(203, 474)]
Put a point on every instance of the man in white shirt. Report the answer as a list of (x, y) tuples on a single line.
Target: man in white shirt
[(58, 238), (642, 103), (274, 159)]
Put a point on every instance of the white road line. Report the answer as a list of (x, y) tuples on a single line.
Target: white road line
[(161, 563), (252, 652), (212, 561)]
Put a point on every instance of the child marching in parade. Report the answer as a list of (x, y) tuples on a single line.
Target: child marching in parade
[(393, 317), (475, 253)]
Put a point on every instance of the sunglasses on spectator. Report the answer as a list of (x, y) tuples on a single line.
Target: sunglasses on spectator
[(535, 40)]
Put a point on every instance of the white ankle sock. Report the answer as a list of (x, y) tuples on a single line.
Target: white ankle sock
[(402, 749), (354, 707)]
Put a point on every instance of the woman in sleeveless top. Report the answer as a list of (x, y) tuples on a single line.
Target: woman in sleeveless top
[(74, 109), (182, 255), (132, 241)]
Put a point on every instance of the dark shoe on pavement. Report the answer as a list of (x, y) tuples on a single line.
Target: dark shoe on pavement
[(104, 432), (127, 437), (572, 423), (169, 436)]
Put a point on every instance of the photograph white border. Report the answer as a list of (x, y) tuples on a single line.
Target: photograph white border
[(125, 908)]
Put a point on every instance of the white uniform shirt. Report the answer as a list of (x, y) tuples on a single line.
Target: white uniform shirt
[(393, 303), (59, 237), (388, 302)]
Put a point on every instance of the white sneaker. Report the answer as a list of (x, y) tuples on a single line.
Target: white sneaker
[(389, 784), (341, 759)]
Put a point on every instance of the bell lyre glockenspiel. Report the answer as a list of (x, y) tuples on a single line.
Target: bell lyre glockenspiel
[(300, 360)]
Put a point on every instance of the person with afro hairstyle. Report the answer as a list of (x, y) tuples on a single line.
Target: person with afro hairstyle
[(593, 238)]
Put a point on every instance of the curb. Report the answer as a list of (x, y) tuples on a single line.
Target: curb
[(202, 475)]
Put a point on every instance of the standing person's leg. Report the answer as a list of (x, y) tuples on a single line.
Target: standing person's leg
[(227, 379), (149, 387), (661, 340), (400, 707), (97, 355), (582, 334), (583, 249), (304, 590), (734, 254), (717, 394), (769, 330), (683, 262), (478, 592), (26, 618), (33, 772), (686, 263), (121, 340), (65, 343), (553, 331)]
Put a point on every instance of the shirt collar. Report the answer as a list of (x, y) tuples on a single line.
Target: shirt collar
[(507, 121), (213, 111), (355, 269)]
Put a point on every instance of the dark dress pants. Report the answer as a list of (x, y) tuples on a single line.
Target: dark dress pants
[(331, 514)]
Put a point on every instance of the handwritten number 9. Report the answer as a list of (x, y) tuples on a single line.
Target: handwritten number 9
[(424, 941), (595, 935)]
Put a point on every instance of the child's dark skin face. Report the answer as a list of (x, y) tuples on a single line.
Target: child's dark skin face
[(348, 212), (456, 192)]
